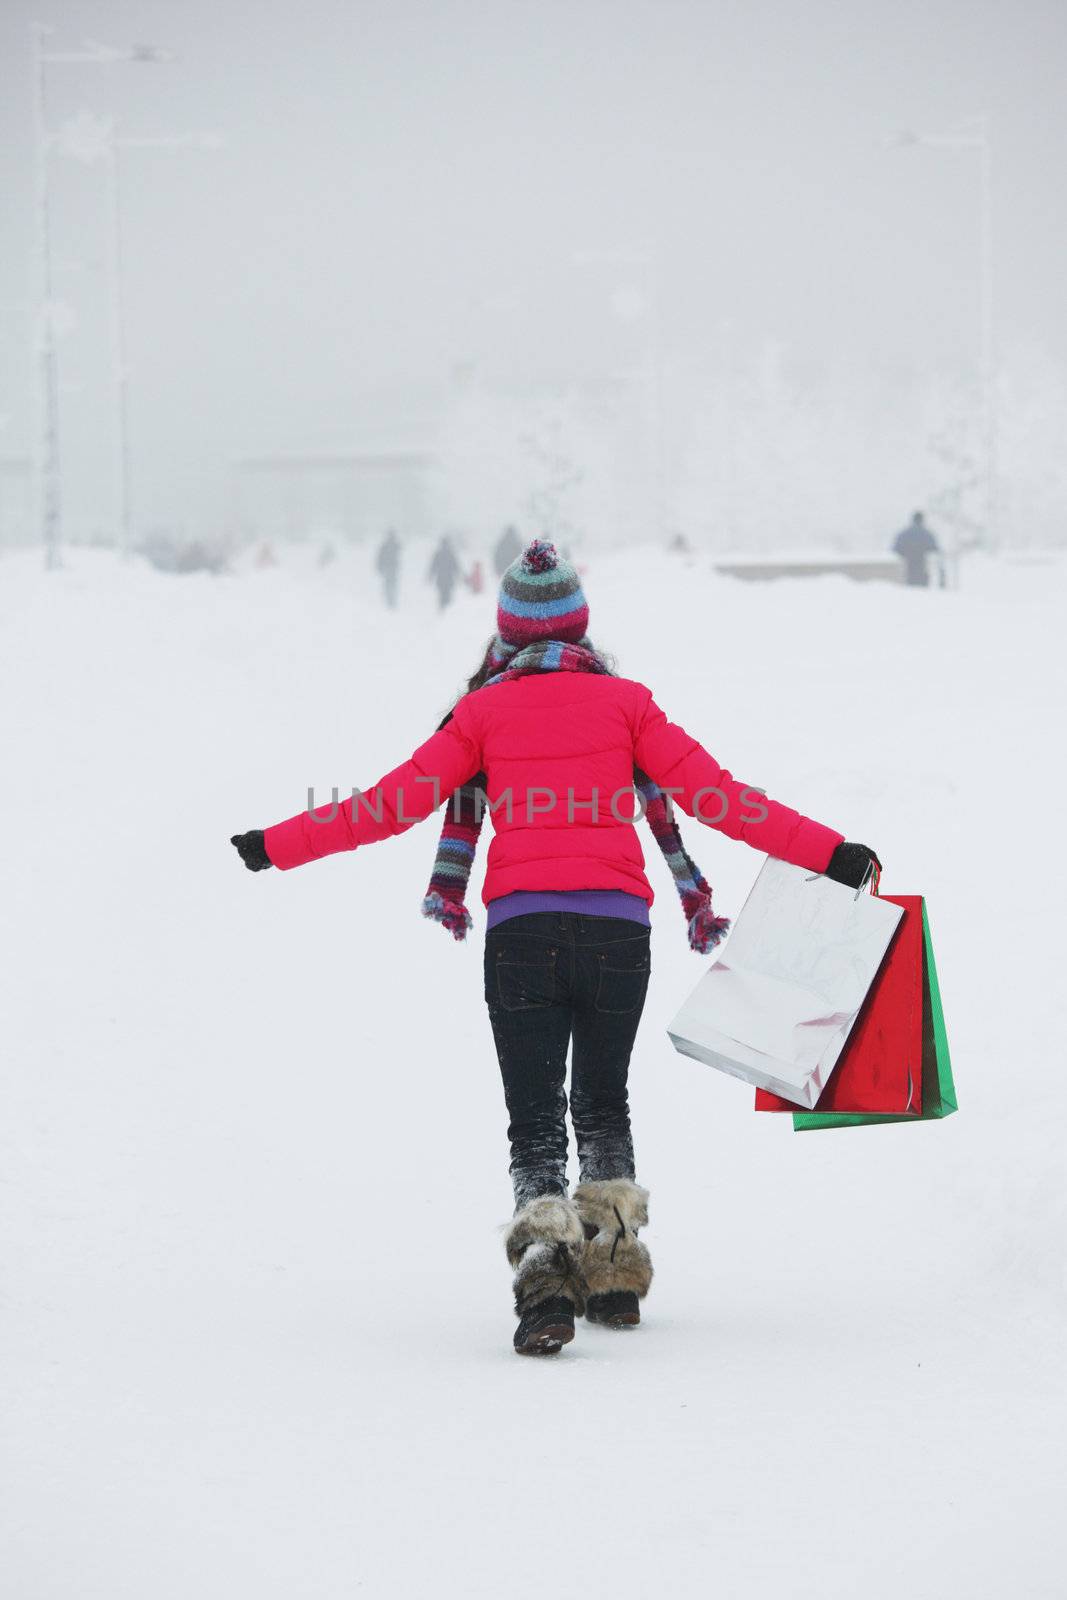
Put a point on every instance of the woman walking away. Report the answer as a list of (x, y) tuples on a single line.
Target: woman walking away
[(566, 756)]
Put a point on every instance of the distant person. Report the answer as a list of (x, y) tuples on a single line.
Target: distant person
[(388, 565), (679, 545), (476, 578), (507, 549), (444, 571), (913, 545), (327, 555), (265, 556), (196, 556)]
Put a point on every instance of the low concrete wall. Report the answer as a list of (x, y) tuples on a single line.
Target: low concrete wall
[(861, 569)]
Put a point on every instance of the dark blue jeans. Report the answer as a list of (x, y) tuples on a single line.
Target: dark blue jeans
[(553, 979)]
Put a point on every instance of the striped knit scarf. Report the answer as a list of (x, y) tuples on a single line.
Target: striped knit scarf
[(465, 813)]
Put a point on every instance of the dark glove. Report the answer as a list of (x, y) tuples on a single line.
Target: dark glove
[(850, 863), (252, 850)]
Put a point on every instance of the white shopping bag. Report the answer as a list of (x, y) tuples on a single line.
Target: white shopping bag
[(779, 1001)]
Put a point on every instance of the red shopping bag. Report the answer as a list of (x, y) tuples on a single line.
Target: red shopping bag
[(880, 1068)]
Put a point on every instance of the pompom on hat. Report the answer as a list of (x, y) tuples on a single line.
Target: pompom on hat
[(541, 598)]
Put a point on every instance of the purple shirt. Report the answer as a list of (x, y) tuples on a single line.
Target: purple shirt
[(588, 902)]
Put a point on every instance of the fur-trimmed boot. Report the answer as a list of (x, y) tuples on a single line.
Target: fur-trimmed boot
[(616, 1266), (544, 1243)]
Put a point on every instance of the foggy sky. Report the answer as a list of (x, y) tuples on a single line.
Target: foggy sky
[(404, 187)]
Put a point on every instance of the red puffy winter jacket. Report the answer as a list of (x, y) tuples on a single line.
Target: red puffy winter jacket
[(559, 751)]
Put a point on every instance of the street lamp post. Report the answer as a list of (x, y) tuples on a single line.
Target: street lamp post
[(49, 482), (118, 336), (976, 134), (48, 479), (989, 352), (184, 141), (647, 306)]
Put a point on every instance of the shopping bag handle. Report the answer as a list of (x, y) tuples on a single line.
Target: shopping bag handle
[(873, 877)]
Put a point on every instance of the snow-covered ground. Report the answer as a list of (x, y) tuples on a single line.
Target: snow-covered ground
[(255, 1320)]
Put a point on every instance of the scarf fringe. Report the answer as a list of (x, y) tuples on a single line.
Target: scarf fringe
[(451, 914), (706, 930)]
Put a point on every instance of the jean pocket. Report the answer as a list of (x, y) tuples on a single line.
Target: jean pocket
[(623, 981), (527, 982)]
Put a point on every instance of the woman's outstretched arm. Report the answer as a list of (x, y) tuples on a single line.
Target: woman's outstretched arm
[(696, 782), (403, 797)]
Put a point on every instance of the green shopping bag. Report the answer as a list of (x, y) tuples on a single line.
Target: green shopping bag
[(938, 1089)]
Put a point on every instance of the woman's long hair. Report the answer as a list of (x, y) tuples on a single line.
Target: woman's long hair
[(477, 680), (488, 667)]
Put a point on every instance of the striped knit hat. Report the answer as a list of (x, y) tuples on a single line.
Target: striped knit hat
[(540, 598)]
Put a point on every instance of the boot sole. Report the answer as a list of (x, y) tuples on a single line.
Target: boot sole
[(626, 1319), (547, 1341)]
